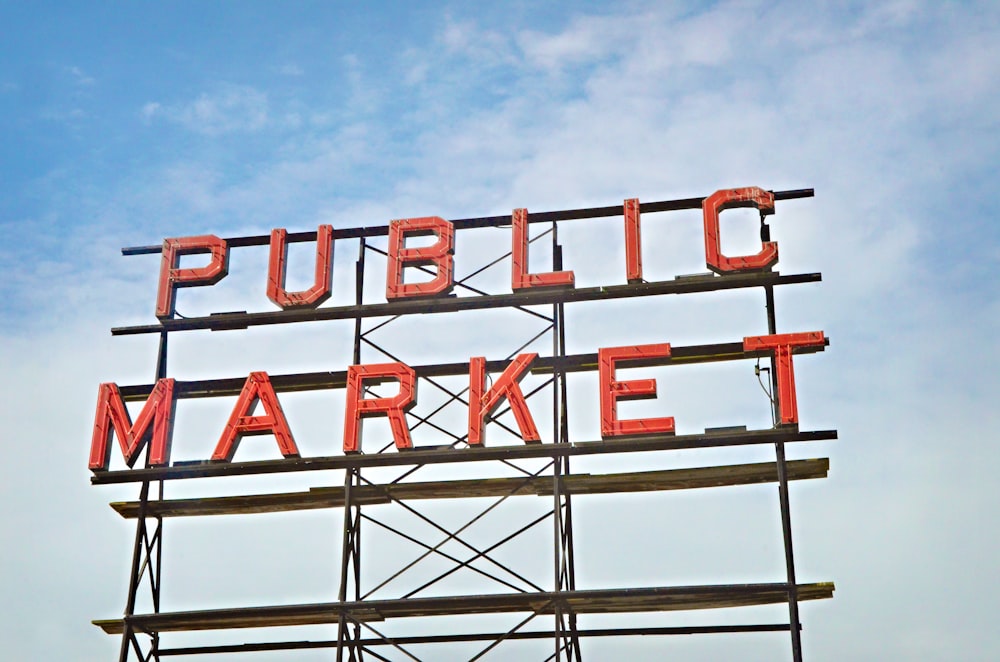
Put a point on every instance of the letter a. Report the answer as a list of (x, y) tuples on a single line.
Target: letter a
[(242, 423)]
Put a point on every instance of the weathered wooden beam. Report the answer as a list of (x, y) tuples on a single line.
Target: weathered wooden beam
[(605, 601), (577, 484)]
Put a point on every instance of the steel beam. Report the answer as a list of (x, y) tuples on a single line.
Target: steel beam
[(531, 297), (449, 455)]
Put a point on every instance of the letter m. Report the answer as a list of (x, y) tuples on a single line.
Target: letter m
[(154, 425)]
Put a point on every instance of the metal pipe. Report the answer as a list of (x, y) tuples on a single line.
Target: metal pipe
[(531, 297), (786, 515), (482, 222)]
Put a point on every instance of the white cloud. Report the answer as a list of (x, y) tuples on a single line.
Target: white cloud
[(291, 70), (466, 39), (229, 109), (80, 77), (150, 110)]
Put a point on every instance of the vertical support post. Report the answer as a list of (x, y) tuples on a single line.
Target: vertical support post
[(557, 551), (568, 564), (786, 516), (346, 546), (359, 291), (161, 373), (350, 564), (145, 548), (566, 638)]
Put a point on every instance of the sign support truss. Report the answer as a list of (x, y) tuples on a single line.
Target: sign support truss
[(357, 611)]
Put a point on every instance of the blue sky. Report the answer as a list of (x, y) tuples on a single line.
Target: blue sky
[(124, 123)]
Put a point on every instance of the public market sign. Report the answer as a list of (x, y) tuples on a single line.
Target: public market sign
[(152, 428)]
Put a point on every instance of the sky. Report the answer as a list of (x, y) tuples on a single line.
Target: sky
[(122, 124)]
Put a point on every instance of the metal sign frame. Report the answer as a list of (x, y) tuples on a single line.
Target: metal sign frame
[(355, 611)]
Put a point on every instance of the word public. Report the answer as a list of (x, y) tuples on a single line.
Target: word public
[(440, 255), (153, 427)]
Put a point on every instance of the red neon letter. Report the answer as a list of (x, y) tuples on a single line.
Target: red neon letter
[(637, 389), (520, 278), (241, 423), (482, 404), (394, 407), (633, 242), (438, 254), (277, 266), (751, 196), (172, 277), (783, 346), (113, 418)]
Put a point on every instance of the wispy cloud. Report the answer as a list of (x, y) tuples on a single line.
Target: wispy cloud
[(229, 109), (291, 70), (80, 77)]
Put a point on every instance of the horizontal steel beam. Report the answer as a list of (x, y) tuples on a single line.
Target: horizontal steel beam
[(483, 636), (316, 381), (605, 601), (483, 221), (446, 455), (531, 297)]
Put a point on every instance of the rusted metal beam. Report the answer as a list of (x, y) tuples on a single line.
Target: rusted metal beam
[(483, 221), (314, 381), (447, 455), (483, 636), (530, 297)]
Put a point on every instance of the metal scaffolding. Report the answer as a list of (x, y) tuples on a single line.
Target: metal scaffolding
[(544, 611)]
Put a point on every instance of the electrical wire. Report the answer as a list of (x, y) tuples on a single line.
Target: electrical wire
[(767, 391)]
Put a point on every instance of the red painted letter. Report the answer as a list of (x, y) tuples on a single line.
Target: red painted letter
[(172, 277), (506, 386), (277, 266), (113, 418), (750, 196), (783, 346), (242, 423), (520, 278), (438, 254), (633, 242), (394, 407), (637, 389)]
